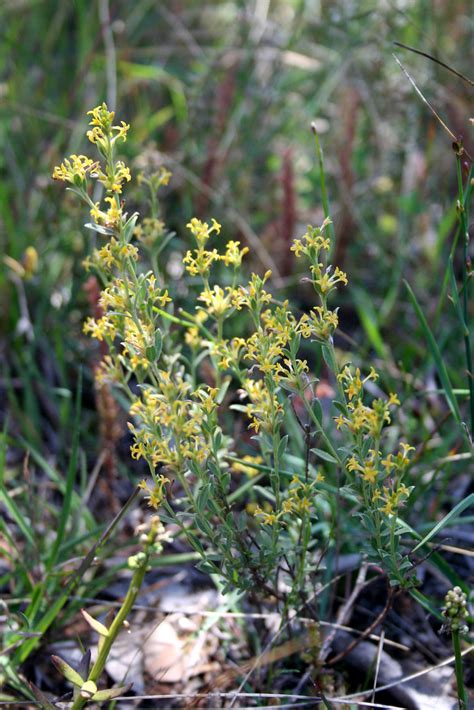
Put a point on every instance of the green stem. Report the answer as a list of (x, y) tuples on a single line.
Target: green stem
[(465, 288), (320, 429), (117, 624), (461, 690), (322, 182)]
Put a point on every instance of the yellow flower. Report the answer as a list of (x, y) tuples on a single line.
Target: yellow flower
[(340, 421), (201, 230), (233, 255), (216, 300), (388, 463), (353, 465), (74, 169), (102, 128), (388, 508), (267, 518), (199, 261), (100, 329), (369, 472)]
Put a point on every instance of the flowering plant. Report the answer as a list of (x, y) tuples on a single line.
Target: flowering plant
[(184, 425)]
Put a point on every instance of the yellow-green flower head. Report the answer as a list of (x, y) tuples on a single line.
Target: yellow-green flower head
[(199, 261), (455, 611), (216, 300), (201, 231), (233, 255), (113, 179), (75, 169), (312, 241), (102, 128), (157, 493)]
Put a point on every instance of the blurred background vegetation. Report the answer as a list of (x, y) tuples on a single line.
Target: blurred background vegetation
[(223, 94)]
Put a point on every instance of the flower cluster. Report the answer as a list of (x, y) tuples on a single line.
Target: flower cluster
[(200, 260), (299, 502), (169, 420), (361, 418), (324, 279), (320, 322), (264, 410), (103, 133), (253, 296), (75, 170), (137, 329), (455, 611), (176, 423), (381, 476), (112, 175), (111, 256)]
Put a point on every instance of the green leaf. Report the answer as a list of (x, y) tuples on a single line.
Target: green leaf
[(194, 542), (99, 228), (328, 356), (455, 298), (158, 343), (67, 671), (282, 447), (437, 357), (207, 567), (340, 407), (462, 505), (202, 498), (7, 500), (204, 527), (317, 409), (223, 390), (426, 604), (103, 695), (94, 624), (369, 321), (324, 455)]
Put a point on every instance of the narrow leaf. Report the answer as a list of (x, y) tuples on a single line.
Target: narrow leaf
[(437, 357), (94, 624), (103, 695), (69, 673), (462, 505), (455, 297), (369, 321), (324, 455), (45, 704)]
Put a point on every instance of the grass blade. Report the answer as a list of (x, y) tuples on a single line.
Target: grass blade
[(459, 508), (6, 499), (71, 474), (50, 615), (437, 357)]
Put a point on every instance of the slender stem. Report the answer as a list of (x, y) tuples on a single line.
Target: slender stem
[(322, 181), (466, 273), (461, 690), (320, 429), (117, 624)]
